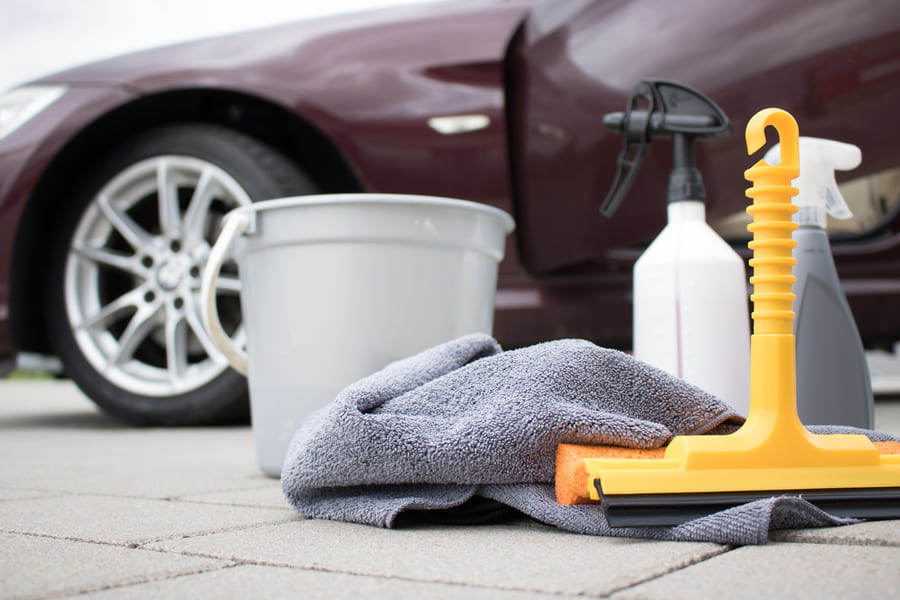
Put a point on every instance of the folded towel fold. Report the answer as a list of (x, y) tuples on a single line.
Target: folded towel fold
[(466, 419)]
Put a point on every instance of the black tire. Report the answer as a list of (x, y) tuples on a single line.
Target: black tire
[(221, 398)]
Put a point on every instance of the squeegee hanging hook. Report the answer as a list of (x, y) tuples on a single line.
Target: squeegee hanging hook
[(788, 136)]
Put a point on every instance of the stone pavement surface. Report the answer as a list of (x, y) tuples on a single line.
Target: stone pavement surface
[(93, 509)]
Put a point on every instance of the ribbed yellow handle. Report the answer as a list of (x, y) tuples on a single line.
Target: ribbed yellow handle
[(773, 406), (772, 225)]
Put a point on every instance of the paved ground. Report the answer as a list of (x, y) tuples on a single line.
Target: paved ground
[(92, 509)]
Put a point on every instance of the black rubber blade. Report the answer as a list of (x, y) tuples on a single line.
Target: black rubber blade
[(667, 510)]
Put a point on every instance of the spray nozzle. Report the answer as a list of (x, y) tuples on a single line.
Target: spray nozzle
[(657, 109), (819, 193)]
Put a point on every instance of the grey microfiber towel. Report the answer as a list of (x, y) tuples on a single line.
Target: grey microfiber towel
[(466, 421)]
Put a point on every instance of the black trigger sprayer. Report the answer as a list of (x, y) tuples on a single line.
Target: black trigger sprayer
[(659, 109)]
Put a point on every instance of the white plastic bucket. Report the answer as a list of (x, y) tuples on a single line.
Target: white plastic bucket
[(335, 287)]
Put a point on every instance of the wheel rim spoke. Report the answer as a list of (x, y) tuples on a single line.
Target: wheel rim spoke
[(227, 283), (109, 258), (127, 228), (208, 345), (198, 209), (139, 327), (167, 199), (176, 345), (112, 311)]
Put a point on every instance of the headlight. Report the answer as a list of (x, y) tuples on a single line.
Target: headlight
[(19, 105)]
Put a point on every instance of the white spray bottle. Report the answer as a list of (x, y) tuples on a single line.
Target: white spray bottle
[(691, 310), (834, 386)]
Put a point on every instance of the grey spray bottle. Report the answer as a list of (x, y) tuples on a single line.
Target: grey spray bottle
[(833, 382)]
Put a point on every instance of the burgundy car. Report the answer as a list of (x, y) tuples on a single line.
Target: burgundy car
[(114, 176)]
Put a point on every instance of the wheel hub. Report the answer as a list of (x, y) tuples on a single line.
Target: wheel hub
[(171, 271)]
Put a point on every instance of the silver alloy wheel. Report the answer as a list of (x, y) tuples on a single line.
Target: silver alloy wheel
[(132, 276)]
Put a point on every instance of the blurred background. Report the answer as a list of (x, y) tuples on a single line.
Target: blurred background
[(30, 30), (40, 37)]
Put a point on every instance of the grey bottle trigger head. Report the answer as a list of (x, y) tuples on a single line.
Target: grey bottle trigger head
[(818, 190)]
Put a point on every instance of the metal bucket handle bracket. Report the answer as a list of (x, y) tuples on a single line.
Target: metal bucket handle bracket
[(236, 223)]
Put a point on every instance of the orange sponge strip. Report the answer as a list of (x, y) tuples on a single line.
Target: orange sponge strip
[(571, 476), (887, 447), (572, 479)]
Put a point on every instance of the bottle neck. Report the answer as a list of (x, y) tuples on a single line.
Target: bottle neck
[(685, 183), (686, 211), (810, 216)]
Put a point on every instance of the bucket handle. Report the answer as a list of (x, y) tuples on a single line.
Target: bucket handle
[(236, 223)]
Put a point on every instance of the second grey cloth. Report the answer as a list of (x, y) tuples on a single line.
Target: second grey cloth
[(467, 420)]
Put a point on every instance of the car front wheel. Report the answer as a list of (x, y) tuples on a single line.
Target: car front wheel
[(123, 305)]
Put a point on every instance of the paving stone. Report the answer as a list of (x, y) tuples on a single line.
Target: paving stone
[(56, 405), (519, 556), (782, 571), (140, 477), (873, 533), (22, 494), (76, 489), (270, 496), (39, 567), (42, 397), (148, 462), (251, 581), (128, 520)]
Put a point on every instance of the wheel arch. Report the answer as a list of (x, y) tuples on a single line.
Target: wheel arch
[(291, 135)]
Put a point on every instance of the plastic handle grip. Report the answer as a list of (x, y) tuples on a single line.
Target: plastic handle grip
[(771, 210), (235, 224)]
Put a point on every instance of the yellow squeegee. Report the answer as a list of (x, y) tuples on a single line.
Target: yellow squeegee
[(772, 454)]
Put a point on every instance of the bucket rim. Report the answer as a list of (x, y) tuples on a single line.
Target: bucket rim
[(376, 198)]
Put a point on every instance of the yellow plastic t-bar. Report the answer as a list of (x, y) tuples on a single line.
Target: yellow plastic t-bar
[(773, 434), (773, 450)]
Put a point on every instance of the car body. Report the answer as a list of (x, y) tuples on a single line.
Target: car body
[(499, 102)]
